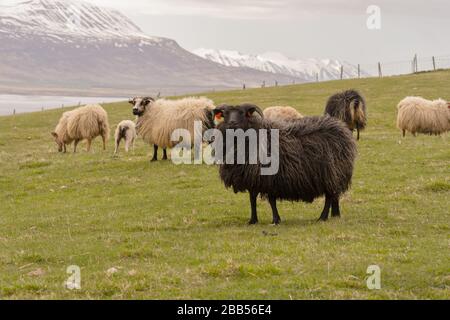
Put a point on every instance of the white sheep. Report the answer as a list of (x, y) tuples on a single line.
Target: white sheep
[(126, 130), (419, 115), (86, 122), (281, 113), (157, 119)]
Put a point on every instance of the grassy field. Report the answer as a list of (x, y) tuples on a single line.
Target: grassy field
[(175, 232)]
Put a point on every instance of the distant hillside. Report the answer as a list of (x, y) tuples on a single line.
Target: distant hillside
[(66, 45)]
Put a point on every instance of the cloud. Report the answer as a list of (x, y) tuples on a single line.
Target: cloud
[(276, 9)]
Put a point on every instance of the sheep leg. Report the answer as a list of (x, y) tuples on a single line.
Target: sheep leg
[(404, 133), (335, 212), (326, 209), (75, 143), (254, 215), (164, 154), (64, 148), (104, 142), (155, 153), (117, 146), (273, 204), (357, 132), (127, 145), (88, 145)]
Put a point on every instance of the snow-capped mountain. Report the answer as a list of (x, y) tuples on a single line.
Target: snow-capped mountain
[(77, 46), (274, 62), (70, 18)]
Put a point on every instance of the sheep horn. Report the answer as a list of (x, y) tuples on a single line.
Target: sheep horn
[(256, 108), (260, 112)]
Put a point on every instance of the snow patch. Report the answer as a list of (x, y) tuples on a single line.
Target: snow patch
[(276, 62)]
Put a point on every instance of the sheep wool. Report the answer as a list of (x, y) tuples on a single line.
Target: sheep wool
[(163, 116), (419, 115), (281, 113)]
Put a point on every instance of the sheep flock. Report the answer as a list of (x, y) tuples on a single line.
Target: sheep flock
[(316, 154)]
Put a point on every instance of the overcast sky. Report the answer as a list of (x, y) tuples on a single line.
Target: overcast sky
[(298, 28)]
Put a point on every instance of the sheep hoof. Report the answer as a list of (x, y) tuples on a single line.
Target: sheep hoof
[(275, 222), (252, 222), (153, 160), (322, 219)]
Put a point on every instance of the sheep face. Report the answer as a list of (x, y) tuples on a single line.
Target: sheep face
[(58, 141), (243, 116), (140, 105)]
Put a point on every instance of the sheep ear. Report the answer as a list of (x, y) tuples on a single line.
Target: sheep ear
[(131, 101), (148, 100), (216, 111), (219, 109), (54, 134)]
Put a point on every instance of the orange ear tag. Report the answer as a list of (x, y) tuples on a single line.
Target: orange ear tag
[(218, 118)]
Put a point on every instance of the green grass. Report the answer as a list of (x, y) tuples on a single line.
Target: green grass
[(175, 231)]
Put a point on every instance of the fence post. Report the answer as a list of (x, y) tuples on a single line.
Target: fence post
[(243, 86), (317, 77), (414, 64), (359, 71), (434, 64), (380, 74), (342, 72), (14, 111)]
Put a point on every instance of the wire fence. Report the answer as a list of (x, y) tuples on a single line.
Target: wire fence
[(377, 69), (416, 64)]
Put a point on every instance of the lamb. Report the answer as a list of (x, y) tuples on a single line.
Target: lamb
[(316, 157), (350, 107), (279, 113), (157, 119), (418, 115), (86, 122), (126, 129)]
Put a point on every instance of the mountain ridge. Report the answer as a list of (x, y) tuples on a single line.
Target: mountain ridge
[(277, 63), (74, 45)]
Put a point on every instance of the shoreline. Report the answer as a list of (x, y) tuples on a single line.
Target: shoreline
[(22, 104)]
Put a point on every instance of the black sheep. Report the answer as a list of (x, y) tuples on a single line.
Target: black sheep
[(316, 157), (350, 107)]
